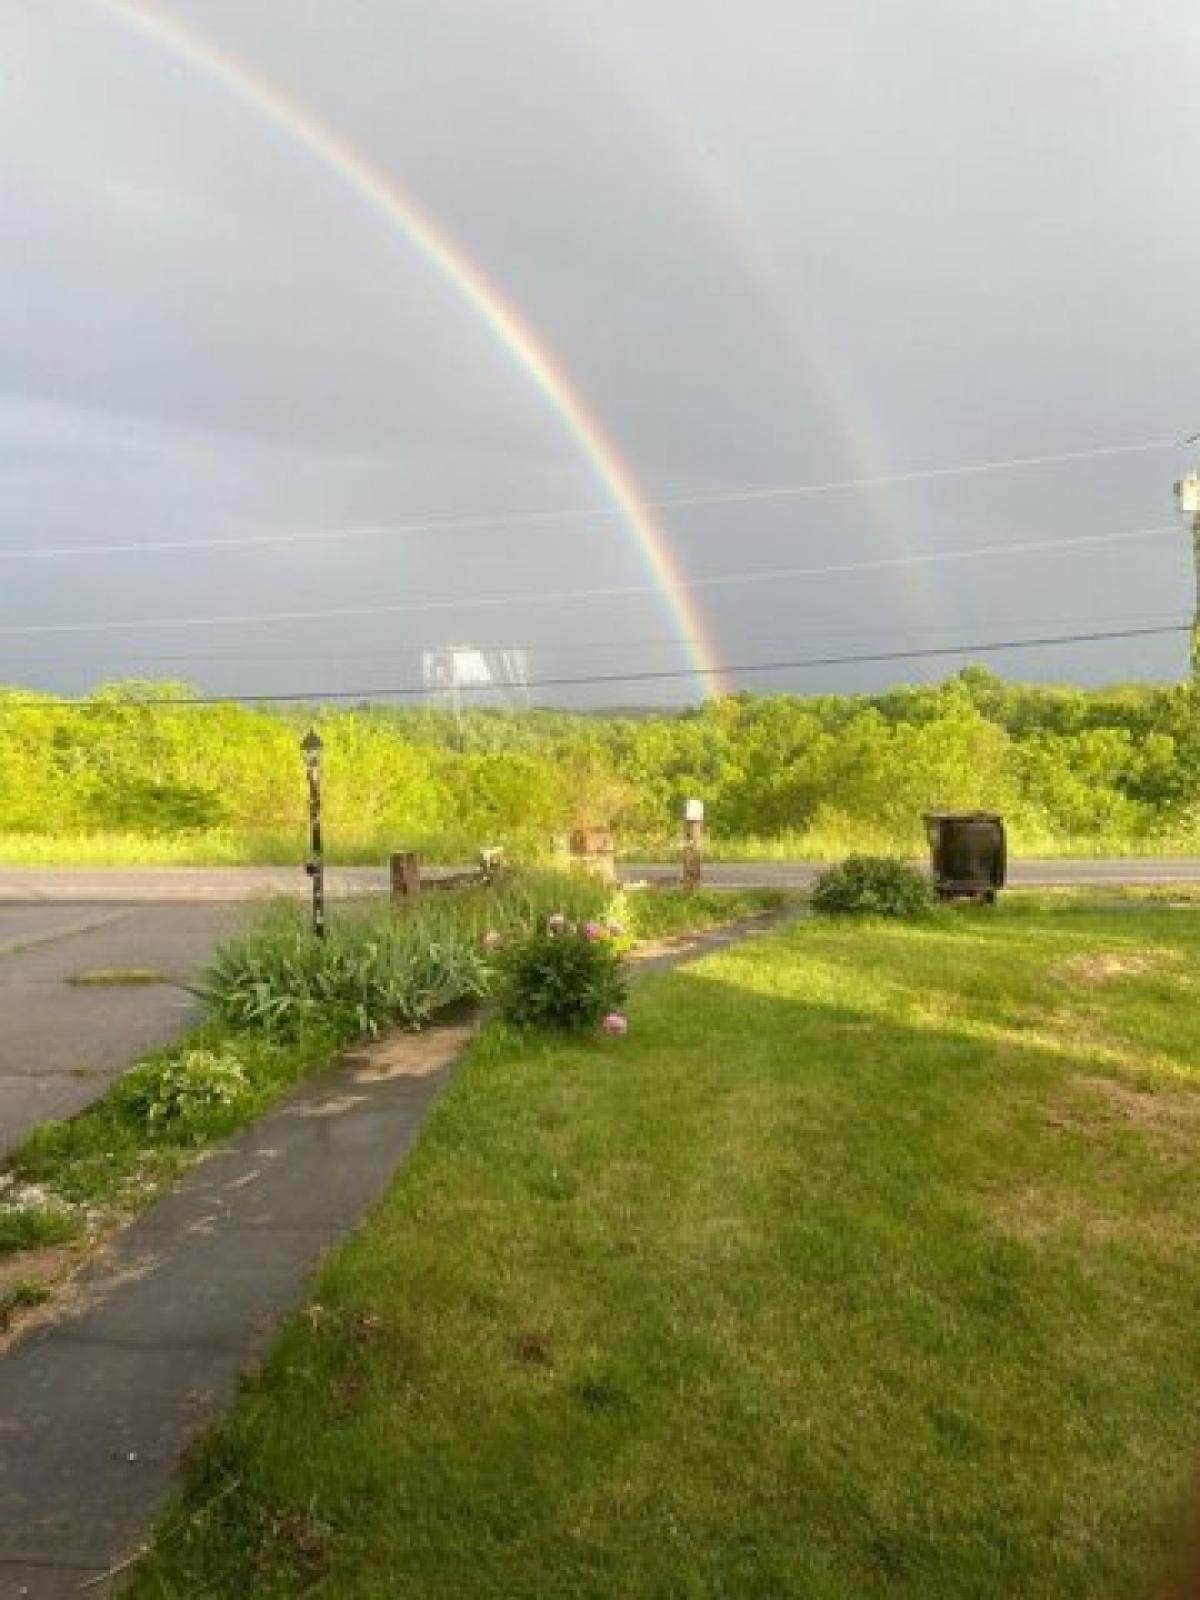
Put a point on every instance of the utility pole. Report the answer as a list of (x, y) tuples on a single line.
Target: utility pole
[(1187, 497), (312, 746)]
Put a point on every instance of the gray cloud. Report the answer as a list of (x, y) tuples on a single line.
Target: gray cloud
[(768, 243)]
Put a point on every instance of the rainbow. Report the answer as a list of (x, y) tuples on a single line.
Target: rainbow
[(701, 168), (389, 201)]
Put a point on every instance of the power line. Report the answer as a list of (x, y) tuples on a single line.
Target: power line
[(310, 697), (744, 496), (924, 474), (575, 647), (616, 591)]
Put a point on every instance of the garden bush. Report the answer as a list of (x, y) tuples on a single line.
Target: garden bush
[(565, 976), (184, 1092), (873, 885), (381, 967), (378, 967)]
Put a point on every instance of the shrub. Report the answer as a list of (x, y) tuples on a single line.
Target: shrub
[(378, 968), (567, 978), (370, 972), (874, 885), (185, 1091)]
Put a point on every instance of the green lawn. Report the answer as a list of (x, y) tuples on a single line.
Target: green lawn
[(867, 1265)]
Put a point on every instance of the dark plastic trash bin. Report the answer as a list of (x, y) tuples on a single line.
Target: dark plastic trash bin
[(969, 851)]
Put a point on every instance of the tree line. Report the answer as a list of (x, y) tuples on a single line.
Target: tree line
[(1070, 768)]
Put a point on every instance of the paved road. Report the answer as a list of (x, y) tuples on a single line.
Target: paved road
[(171, 885), (62, 1043)]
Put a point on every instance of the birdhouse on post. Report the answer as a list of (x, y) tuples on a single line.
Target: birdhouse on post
[(1187, 498), (1187, 494), (693, 842)]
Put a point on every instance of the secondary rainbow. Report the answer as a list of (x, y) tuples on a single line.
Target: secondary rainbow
[(702, 170), (386, 198)]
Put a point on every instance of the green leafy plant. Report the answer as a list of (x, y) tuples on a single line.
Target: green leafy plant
[(875, 886), (189, 1090), (30, 1227), (370, 972), (567, 978)]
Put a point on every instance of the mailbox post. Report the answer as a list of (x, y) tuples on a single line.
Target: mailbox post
[(315, 865), (693, 843), (1187, 498)]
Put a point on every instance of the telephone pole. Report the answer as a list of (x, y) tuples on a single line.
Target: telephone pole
[(1187, 496)]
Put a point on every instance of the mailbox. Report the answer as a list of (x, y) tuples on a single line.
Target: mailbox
[(969, 853)]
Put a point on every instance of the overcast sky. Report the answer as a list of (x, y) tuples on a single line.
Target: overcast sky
[(768, 244)]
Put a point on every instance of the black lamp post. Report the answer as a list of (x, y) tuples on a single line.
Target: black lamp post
[(315, 866)]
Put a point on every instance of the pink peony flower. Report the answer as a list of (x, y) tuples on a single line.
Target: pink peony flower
[(491, 940), (593, 931), (615, 1023)]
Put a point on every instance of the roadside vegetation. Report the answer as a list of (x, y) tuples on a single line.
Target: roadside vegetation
[(121, 780), (864, 1266), (69, 1182), (279, 1003)]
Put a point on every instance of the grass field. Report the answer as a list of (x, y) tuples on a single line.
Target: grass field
[(866, 1265)]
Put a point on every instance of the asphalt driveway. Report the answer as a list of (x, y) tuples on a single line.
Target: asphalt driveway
[(62, 1043)]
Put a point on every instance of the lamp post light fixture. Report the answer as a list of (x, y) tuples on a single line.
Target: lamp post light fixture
[(312, 746)]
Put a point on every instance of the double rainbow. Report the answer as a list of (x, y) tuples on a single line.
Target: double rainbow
[(384, 196)]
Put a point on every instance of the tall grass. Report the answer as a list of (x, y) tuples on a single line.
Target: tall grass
[(214, 847), (834, 843), (229, 848)]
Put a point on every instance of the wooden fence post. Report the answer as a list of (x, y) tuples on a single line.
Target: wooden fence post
[(406, 875)]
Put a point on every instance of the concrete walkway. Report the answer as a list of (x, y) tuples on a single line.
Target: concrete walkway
[(97, 1407)]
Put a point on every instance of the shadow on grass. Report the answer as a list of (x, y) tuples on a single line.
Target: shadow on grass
[(794, 1292)]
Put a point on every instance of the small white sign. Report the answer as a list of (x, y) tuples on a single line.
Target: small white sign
[(693, 811)]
